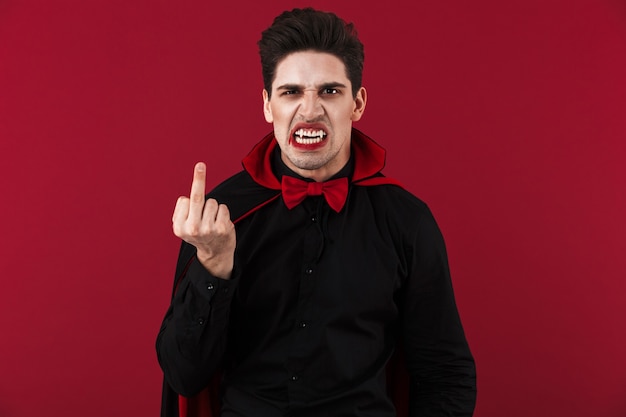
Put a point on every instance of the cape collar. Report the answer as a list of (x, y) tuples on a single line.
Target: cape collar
[(369, 159)]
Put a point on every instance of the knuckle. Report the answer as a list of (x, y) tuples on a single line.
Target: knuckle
[(205, 230), (197, 198), (225, 230)]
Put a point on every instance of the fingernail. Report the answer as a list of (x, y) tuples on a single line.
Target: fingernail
[(200, 167)]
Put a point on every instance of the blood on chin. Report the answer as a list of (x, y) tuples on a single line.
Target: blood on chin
[(307, 146)]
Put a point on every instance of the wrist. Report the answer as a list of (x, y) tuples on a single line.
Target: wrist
[(218, 266)]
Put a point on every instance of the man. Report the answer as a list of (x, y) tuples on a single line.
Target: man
[(301, 276)]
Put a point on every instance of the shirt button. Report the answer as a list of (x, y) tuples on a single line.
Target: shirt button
[(313, 219), (294, 378), (308, 271), (303, 324), (200, 321), (210, 287)]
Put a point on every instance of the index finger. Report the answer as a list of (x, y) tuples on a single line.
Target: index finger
[(198, 187)]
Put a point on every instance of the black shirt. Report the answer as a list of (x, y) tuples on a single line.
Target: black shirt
[(314, 309)]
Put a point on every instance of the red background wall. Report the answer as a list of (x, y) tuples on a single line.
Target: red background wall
[(507, 117)]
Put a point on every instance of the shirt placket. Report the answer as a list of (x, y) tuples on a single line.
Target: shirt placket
[(313, 244)]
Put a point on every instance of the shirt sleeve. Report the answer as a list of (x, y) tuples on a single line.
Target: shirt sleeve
[(440, 364), (192, 339)]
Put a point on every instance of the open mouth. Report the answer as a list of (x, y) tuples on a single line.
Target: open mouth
[(309, 136)]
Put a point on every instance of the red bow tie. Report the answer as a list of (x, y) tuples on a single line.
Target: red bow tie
[(295, 190)]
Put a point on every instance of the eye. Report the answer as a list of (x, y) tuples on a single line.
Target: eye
[(289, 92), (330, 91)]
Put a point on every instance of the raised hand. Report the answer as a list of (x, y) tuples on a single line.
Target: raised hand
[(207, 226)]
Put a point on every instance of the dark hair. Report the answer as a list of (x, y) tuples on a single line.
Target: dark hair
[(309, 29)]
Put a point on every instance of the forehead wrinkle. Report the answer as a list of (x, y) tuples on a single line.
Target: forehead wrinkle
[(310, 70)]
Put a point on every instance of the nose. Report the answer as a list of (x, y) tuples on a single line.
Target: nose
[(311, 107)]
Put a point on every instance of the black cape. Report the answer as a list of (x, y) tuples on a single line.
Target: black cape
[(246, 192)]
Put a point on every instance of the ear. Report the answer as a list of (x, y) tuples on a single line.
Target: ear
[(359, 104), (267, 110)]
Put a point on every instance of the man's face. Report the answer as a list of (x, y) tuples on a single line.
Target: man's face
[(312, 110)]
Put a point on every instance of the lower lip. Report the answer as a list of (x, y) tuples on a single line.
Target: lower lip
[(308, 146)]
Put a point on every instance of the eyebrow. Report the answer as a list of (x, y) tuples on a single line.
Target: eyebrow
[(321, 87)]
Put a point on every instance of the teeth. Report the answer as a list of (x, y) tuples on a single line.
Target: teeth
[(309, 137)]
